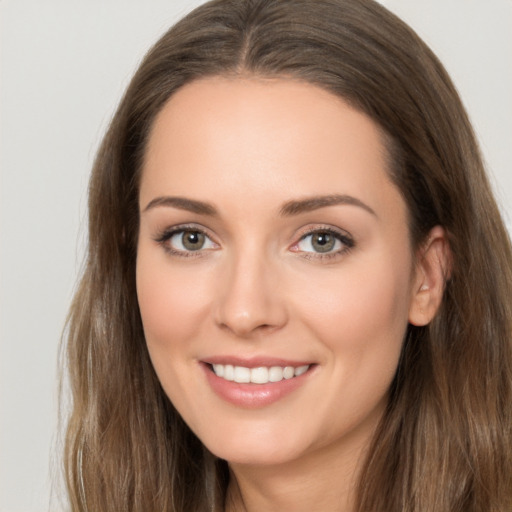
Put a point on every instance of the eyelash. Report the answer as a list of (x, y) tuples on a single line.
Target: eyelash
[(165, 236), (344, 238)]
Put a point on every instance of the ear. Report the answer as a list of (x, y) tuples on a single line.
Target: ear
[(433, 268)]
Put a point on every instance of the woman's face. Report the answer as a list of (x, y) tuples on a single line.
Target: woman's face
[(275, 275)]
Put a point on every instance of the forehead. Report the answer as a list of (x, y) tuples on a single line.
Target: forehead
[(265, 138)]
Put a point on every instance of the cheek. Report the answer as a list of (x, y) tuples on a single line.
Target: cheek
[(173, 304), (171, 301), (362, 313), (361, 318)]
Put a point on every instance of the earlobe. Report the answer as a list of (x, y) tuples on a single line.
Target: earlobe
[(433, 268)]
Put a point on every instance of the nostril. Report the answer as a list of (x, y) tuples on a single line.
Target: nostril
[(248, 306)]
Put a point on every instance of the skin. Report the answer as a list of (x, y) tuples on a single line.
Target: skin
[(259, 288)]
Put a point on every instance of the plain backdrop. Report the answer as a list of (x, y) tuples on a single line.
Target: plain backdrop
[(64, 65)]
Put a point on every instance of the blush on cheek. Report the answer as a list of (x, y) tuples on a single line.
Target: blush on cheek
[(361, 315), (170, 303)]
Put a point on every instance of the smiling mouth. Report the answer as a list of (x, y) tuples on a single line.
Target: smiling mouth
[(259, 375)]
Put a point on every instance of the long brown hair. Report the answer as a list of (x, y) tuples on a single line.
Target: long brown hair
[(445, 442)]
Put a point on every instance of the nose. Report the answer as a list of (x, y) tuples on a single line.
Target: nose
[(250, 300)]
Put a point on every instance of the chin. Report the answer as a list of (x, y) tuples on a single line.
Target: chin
[(257, 448), (248, 456)]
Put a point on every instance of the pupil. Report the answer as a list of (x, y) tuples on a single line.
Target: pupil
[(323, 242), (193, 240)]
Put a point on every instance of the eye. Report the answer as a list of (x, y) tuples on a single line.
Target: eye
[(188, 240), (323, 242), (182, 241), (319, 242)]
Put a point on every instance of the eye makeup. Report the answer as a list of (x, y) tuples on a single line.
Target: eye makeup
[(189, 240), (320, 243), (323, 243)]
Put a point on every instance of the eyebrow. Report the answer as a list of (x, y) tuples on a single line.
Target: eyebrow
[(314, 203), (290, 208), (183, 203)]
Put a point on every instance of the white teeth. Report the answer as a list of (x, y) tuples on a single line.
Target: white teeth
[(288, 372), (275, 374), (229, 372), (242, 375), (301, 369), (260, 375), (219, 370)]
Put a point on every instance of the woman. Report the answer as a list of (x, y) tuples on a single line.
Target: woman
[(297, 292)]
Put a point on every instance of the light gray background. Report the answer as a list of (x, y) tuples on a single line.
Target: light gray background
[(64, 65)]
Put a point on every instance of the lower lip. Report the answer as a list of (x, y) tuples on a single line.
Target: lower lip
[(253, 396)]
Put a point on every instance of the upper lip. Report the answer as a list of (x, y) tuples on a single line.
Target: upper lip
[(255, 361)]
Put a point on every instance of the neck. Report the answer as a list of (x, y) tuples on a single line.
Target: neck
[(324, 480)]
